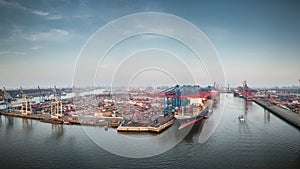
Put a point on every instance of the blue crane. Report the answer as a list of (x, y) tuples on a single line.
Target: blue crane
[(171, 99), (174, 96)]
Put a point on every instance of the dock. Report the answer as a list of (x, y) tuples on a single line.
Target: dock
[(287, 115), (21, 115), (52, 121), (111, 122), (154, 129)]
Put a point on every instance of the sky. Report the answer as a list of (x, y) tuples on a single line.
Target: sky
[(257, 41)]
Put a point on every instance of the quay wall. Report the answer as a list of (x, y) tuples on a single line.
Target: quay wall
[(287, 115)]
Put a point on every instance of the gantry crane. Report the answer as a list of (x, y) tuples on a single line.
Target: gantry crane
[(247, 91), (56, 106), (26, 104), (8, 100), (41, 96), (171, 99), (174, 96)]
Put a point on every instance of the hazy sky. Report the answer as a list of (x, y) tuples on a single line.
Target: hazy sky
[(257, 41)]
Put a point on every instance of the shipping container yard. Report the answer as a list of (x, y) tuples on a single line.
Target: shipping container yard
[(134, 110)]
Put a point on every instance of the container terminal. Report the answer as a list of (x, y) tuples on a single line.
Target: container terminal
[(284, 103), (57, 110), (184, 104), (134, 110)]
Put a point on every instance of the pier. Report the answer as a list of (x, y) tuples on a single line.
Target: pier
[(36, 117), (149, 128), (104, 121), (284, 114)]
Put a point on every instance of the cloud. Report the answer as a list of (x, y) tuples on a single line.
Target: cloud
[(36, 47), (18, 33), (41, 13), (11, 53), (51, 35), (13, 4), (54, 17), (22, 7)]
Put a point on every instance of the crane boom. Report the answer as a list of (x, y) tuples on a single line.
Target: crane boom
[(26, 103), (8, 100), (41, 96), (56, 106)]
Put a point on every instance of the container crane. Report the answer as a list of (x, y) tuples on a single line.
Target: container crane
[(56, 106), (8, 100), (41, 96), (175, 96), (247, 91), (171, 99), (26, 104)]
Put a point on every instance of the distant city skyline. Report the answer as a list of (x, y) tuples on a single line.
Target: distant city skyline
[(257, 41)]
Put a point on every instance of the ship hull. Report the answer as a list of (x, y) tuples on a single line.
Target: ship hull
[(190, 121)]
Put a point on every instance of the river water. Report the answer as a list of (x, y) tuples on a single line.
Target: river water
[(262, 141)]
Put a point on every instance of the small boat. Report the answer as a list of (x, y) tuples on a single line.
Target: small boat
[(241, 117)]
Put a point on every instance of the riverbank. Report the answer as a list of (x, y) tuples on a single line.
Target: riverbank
[(284, 114)]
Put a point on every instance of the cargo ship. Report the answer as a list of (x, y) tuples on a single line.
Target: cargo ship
[(189, 103), (193, 113)]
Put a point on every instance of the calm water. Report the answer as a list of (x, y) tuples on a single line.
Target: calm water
[(263, 141)]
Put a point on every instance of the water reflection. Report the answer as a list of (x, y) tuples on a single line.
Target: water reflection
[(57, 131), (194, 133), (244, 127), (171, 135), (9, 122), (246, 106), (27, 125), (209, 125), (0, 120), (266, 116)]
